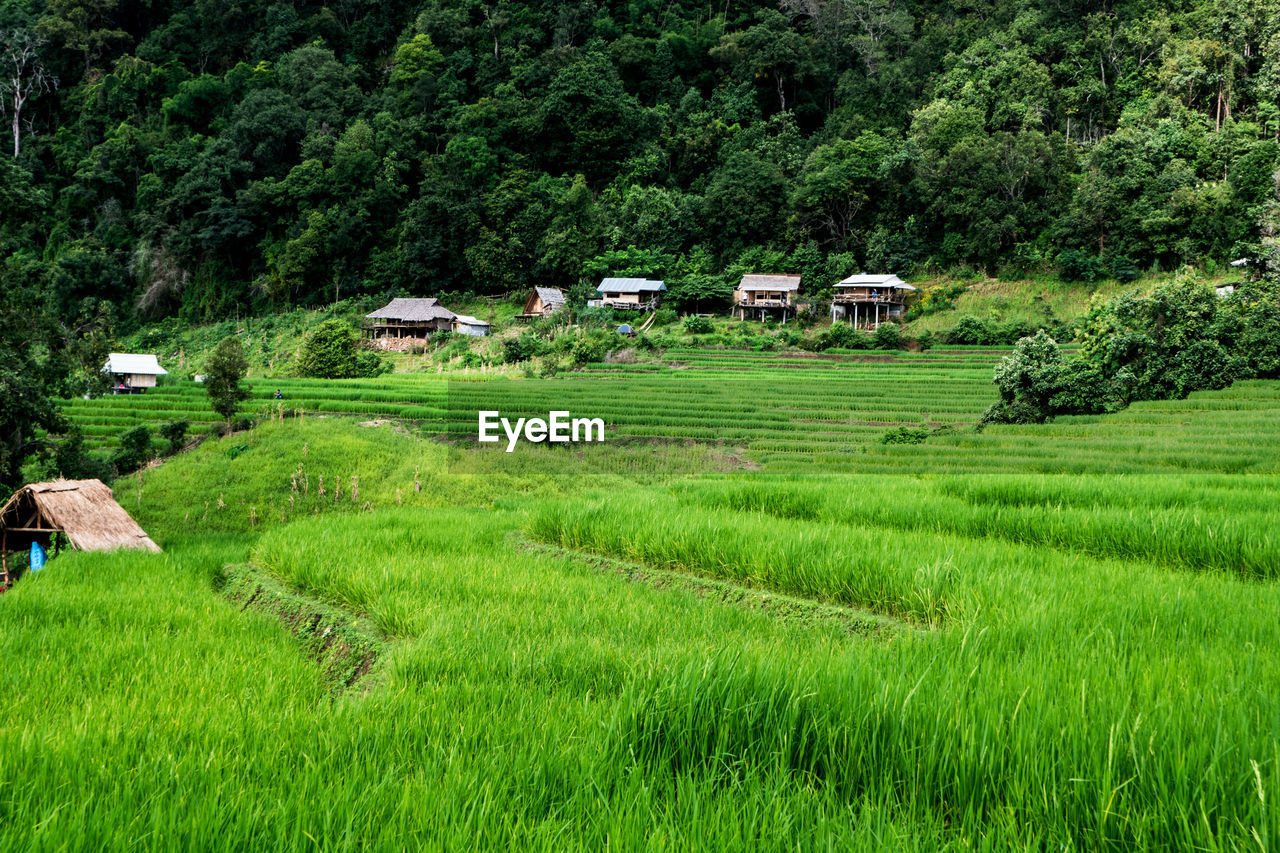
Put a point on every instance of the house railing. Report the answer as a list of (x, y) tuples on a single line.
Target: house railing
[(648, 305), (764, 303), (882, 298)]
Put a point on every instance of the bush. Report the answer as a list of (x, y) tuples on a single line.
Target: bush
[(134, 452), (587, 349), (175, 432), (595, 318), (905, 435), (1075, 265), (1123, 269), (842, 336), (332, 351), (887, 336), (515, 350), (663, 317), (72, 461), (970, 331), (695, 325)]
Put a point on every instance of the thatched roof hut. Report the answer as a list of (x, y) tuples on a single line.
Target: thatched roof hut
[(409, 318), (83, 510)]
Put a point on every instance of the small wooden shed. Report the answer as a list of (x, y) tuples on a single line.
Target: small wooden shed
[(464, 325), (85, 511), (542, 302), (131, 371)]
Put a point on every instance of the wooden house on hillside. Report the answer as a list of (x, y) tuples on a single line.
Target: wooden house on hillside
[(761, 295), (629, 294), (866, 301), (84, 511), (409, 318), (132, 372), (542, 302)]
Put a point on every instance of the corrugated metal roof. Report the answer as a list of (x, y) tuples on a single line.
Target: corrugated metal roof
[(417, 310), (630, 285), (130, 362), (469, 321), (890, 281), (770, 282)]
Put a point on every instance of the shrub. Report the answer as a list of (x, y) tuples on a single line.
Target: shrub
[(663, 317), (595, 318), (905, 435), (887, 336), (72, 461), (175, 432), (587, 349), (332, 351), (1123, 269), (515, 350), (842, 336), (1075, 265), (970, 331), (134, 452), (695, 325)]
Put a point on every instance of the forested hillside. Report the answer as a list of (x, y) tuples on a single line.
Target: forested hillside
[(213, 157)]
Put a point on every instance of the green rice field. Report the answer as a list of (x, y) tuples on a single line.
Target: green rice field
[(743, 622)]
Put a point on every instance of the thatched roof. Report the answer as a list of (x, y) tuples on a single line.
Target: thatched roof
[(788, 283), (889, 282), (84, 510), (412, 311)]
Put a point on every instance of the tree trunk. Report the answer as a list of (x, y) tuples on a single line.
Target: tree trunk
[(17, 138)]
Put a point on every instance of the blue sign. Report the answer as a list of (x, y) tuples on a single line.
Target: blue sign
[(37, 557)]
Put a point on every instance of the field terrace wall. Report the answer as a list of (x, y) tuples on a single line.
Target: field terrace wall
[(761, 295), (85, 511), (868, 300)]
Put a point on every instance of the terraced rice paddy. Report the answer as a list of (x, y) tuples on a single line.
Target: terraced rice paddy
[(786, 412), (743, 622)]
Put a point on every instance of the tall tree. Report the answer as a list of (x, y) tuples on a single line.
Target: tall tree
[(223, 372), (22, 77)]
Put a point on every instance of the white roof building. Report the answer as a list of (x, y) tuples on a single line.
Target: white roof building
[(133, 363)]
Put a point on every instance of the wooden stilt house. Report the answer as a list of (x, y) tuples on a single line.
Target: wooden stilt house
[(83, 511), (629, 294), (409, 318), (762, 296), (866, 301)]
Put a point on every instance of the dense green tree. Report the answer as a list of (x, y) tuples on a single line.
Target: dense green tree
[(224, 371), (208, 159)]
